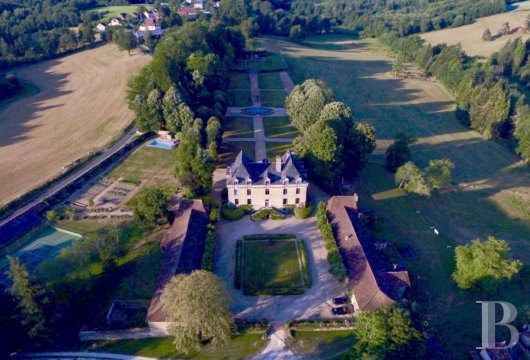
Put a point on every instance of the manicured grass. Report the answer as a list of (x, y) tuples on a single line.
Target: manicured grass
[(240, 347), (239, 98), (272, 62), (113, 11), (272, 98), (149, 164), (270, 80), (229, 150), (279, 127), (239, 80), (271, 267), (238, 126), (274, 149), (322, 344)]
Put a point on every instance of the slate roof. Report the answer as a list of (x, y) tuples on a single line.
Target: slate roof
[(243, 169), (373, 281), (182, 247)]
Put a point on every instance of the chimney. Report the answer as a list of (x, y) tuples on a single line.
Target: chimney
[(278, 163)]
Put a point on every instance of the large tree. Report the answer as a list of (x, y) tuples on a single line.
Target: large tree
[(387, 333), (150, 205), (398, 153), (29, 298), (305, 103), (484, 264), (125, 39), (439, 173), (412, 179), (197, 306)]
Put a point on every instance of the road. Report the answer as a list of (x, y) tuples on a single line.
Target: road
[(55, 188)]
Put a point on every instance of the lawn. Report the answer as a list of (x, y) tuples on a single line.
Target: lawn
[(239, 98), (272, 62), (149, 164), (482, 205), (270, 80), (271, 267), (325, 345), (112, 11), (240, 347), (238, 126), (61, 123), (279, 127), (275, 149), (239, 80), (229, 150), (272, 98)]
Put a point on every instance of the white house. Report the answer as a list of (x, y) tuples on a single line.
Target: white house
[(100, 28), (150, 25), (115, 22)]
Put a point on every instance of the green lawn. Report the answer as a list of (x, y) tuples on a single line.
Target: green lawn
[(272, 62), (270, 80), (241, 347), (274, 149), (238, 126), (426, 110), (229, 150), (112, 11), (279, 127), (149, 164), (239, 80), (325, 345), (272, 98), (239, 98), (271, 267)]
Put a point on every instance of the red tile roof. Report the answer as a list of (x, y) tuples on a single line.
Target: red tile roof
[(372, 283)]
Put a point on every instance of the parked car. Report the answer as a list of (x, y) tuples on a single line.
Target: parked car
[(342, 310), (340, 300)]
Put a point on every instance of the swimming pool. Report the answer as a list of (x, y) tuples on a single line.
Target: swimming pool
[(162, 144)]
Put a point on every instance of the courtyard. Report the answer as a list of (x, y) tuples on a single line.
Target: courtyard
[(314, 302)]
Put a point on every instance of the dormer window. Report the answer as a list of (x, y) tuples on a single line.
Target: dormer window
[(298, 180), (267, 182), (285, 181), (249, 182), (236, 182)]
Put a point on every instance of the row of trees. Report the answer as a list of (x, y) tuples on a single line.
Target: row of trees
[(334, 146), (486, 99)]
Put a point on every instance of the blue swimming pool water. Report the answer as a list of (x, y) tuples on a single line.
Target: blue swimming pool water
[(161, 144), (257, 111)]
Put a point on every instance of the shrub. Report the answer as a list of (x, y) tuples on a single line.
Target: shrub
[(232, 214), (214, 215), (265, 214), (239, 264), (303, 212), (336, 266), (209, 250), (248, 209)]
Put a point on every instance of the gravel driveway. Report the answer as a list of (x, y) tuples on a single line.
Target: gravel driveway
[(314, 303)]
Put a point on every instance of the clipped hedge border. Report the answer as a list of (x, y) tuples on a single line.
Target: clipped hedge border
[(238, 276), (269, 236), (306, 270), (232, 214), (274, 291), (303, 212), (336, 265), (265, 214)]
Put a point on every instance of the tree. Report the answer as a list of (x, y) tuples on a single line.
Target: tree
[(194, 167), (397, 66), (305, 103), (125, 40), (387, 333), (398, 153), (484, 264), (150, 205), (197, 306), (297, 33), (412, 180), (213, 130), (148, 40), (52, 216), (177, 114), (527, 22), (486, 36), (358, 146), (505, 28), (439, 173), (29, 298)]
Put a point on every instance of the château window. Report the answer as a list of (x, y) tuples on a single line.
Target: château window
[(297, 191), (267, 182), (235, 192), (249, 192), (267, 192), (285, 201), (249, 182), (285, 191), (236, 201), (249, 201), (297, 201)]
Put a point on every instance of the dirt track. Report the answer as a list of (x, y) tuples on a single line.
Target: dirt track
[(80, 108)]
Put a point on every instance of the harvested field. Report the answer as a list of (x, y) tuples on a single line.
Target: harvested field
[(470, 36), (80, 109)]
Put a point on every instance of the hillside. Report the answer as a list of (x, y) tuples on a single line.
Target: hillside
[(80, 108)]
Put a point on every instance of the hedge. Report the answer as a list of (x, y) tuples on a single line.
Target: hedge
[(232, 214), (270, 236), (306, 272), (336, 265), (209, 249), (274, 291), (239, 264), (265, 214), (303, 212)]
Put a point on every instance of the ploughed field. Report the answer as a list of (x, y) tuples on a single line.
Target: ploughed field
[(80, 108)]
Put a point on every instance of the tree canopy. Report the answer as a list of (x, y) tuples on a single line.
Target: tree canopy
[(150, 205), (398, 153), (197, 306), (387, 333), (412, 180), (484, 264)]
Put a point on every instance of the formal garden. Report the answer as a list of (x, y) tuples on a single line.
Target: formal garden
[(272, 265)]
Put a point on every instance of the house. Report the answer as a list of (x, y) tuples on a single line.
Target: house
[(196, 4), (374, 283), (182, 248), (150, 25), (264, 184), (155, 15), (100, 28), (115, 22)]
